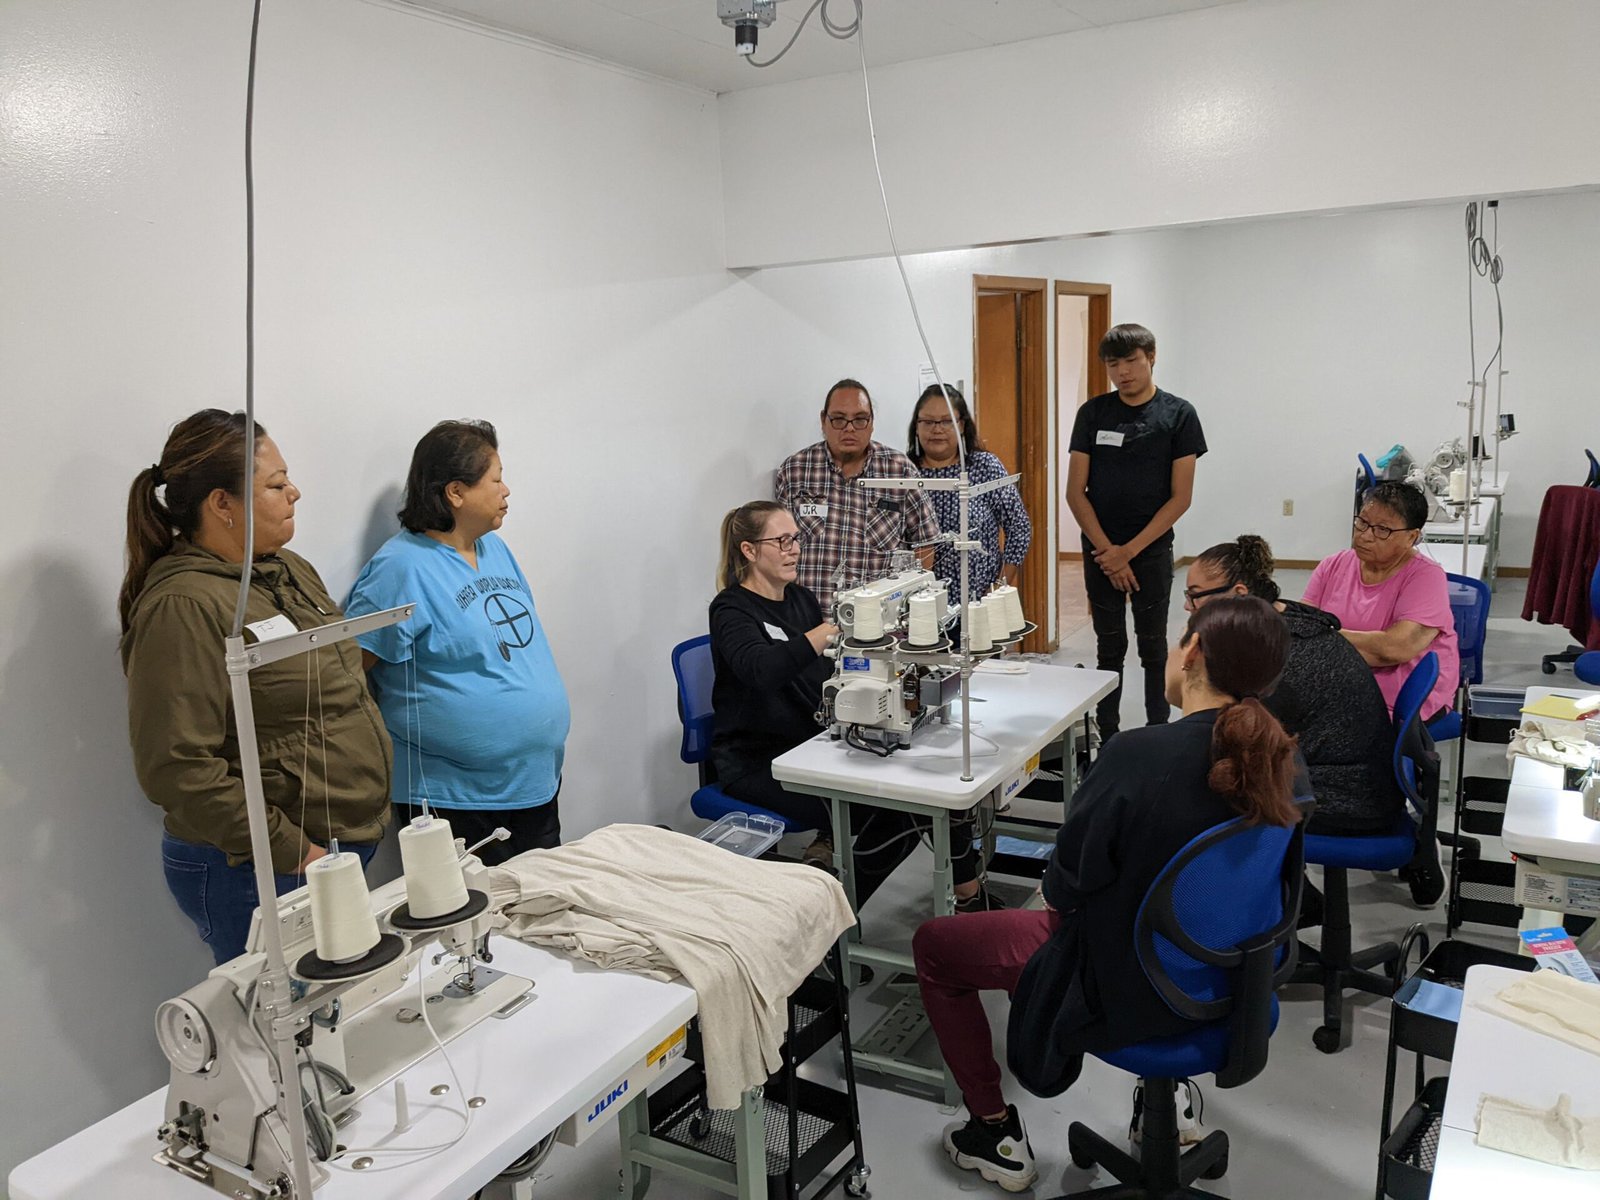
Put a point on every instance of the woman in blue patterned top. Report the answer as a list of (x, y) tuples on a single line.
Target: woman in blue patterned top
[(932, 446)]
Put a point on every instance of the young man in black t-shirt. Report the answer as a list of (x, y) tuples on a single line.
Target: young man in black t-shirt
[(1129, 479)]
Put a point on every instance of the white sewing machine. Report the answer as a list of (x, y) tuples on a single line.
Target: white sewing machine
[(223, 1127), (880, 693)]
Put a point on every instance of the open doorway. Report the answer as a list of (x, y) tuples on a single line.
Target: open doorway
[(1083, 314), (1009, 401)]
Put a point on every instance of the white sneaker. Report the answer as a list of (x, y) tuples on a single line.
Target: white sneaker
[(1190, 1131)]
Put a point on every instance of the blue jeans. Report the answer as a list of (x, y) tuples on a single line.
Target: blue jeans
[(220, 899)]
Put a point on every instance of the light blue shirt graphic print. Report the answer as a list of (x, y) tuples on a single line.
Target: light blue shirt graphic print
[(468, 687)]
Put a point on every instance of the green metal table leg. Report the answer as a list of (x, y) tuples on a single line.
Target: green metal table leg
[(750, 1146)]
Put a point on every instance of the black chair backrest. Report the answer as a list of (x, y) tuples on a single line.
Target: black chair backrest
[(1214, 950)]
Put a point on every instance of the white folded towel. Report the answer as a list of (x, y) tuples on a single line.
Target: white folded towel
[(1551, 1135)]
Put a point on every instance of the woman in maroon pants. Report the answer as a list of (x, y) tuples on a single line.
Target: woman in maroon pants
[(1152, 791)]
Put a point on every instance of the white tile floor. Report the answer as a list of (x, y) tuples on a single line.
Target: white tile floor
[(1307, 1127)]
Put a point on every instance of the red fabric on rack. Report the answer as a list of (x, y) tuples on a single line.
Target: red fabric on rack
[(1565, 550)]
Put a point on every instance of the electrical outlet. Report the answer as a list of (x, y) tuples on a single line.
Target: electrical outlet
[(1288, 508)]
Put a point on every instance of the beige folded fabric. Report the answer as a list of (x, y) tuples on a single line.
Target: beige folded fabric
[(1552, 1004), (743, 933), (1550, 1135), (1553, 743)]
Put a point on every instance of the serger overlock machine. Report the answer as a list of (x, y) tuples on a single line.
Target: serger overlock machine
[(885, 686), (272, 1051)]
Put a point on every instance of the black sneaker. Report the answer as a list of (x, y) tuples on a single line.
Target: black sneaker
[(999, 1152), (819, 853), (982, 900)]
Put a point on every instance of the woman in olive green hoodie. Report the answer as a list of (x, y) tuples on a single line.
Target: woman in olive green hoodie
[(186, 522)]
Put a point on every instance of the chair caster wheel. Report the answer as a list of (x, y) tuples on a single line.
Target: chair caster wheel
[(1217, 1169), (856, 1185), (1326, 1039), (1081, 1157), (1548, 668)]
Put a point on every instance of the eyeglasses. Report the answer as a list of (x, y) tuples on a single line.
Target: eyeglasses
[(786, 542), (936, 423), (1191, 595), (1382, 532), (839, 422)]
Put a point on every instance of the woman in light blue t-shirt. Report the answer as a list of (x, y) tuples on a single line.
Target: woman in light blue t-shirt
[(468, 687)]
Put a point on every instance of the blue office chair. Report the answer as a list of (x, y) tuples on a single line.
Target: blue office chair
[(1469, 605), (1413, 844), (1585, 663), (1215, 937), (692, 668), (1366, 477), (1593, 478)]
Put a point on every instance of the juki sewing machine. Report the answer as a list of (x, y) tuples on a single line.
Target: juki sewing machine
[(884, 687), (223, 1126)]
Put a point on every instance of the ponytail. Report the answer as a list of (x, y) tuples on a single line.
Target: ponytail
[(203, 453), (149, 537), (1252, 763), (743, 524), (1245, 643)]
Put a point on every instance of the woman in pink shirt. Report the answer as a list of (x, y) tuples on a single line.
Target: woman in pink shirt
[(1393, 603)]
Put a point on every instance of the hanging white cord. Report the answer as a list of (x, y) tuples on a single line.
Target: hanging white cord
[(894, 246), (249, 331)]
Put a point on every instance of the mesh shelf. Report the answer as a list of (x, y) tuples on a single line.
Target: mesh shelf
[(678, 1115), (1410, 1152)]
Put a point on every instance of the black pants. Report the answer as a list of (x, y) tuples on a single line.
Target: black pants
[(1108, 608), (883, 838), (531, 828)]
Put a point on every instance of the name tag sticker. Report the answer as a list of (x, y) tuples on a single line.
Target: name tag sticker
[(851, 663), (1108, 437), (820, 511), (774, 632), (272, 627)]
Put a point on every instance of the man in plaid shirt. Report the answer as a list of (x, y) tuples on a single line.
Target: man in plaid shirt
[(839, 521)]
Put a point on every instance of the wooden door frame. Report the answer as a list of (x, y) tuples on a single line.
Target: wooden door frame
[(1033, 426), (1098, 296)]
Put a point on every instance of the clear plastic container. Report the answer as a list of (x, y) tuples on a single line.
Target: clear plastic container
[(749, 834)]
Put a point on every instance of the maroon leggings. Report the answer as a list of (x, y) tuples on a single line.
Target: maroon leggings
[(958, 957)]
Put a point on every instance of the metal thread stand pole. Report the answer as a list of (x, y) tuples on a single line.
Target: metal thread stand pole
[(1468, 511), (963, 500), (272, 991)]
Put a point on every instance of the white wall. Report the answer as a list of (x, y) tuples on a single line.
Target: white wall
[(1301, 340), (1309, 340), (448, 224), (1270, 106)]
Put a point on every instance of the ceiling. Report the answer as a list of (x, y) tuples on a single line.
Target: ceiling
[(683, 39)]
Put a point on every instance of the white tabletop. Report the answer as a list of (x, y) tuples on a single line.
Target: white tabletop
[(1013, 718), (1542, 818), (536, 1068), (1483, 511), (1499, 1057), (1448, 556)]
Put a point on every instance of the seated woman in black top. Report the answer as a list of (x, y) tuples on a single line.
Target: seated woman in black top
[(767, 638), (1152, 791), (1327, 697)]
